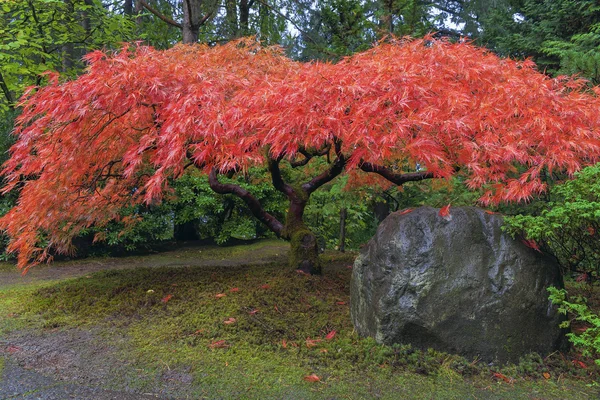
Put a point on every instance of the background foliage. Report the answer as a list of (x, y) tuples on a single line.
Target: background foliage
[(562, 36)]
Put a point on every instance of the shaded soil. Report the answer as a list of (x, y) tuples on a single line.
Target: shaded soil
[(80, 364)]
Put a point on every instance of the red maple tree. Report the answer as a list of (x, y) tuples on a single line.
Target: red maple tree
[(138, 118)]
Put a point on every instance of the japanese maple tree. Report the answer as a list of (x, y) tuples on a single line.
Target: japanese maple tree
[(136, 119)]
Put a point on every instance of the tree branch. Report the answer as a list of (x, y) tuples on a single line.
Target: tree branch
[(7, 94), (395, 178), (277, 179), (291, 21), (253, 204), (160, 15), (309, 154), (336, 168)]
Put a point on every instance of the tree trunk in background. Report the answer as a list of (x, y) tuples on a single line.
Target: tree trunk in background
[(381, 210), (86, 23), (245, 16), (128, 7), (192, 16), (68, 50), (343, 215), (137, 10), (231, 17)]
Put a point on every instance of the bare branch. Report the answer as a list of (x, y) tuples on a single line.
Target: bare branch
[(160, 15), (277, 179), (253, 204), (395, 178), (6, 91), (336, 168), (309, 154)]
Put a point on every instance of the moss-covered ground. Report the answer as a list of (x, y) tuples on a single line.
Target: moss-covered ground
[(262, 331)]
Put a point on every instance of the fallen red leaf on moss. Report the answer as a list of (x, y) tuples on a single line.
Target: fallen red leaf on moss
[(166, 298), (230, 321), (312, 378), (233, 290), (546, 375), (505, 378), (266, 286), (330, 335), (405, 211), (220, 295), (312, 342), (219, 344)]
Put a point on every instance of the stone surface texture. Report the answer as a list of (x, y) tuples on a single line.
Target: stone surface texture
[(456, 284)]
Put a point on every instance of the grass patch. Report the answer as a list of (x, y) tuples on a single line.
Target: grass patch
[(258, 331)]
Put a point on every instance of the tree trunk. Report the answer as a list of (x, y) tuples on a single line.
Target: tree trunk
[(191, 20), (137, 11), (343, 215), (68, 50), (231, 18), (244, 17), (128, 7), (304, 249)]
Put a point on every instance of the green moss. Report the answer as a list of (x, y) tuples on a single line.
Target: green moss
[(304, 251), (300, 192), (1, 366), (278, 337)]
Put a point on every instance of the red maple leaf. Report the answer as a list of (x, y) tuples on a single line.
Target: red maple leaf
[(219, 344), (312, 378), (532, 244), (445, 213)]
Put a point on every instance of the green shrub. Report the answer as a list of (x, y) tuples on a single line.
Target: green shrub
[(589, 340), (568, 226)]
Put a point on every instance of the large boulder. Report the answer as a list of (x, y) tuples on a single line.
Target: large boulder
[(456, 284)]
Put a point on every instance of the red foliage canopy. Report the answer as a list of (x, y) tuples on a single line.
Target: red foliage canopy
[(136, 118)]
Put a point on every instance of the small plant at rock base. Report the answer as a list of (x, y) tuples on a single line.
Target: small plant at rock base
[(589, 340)]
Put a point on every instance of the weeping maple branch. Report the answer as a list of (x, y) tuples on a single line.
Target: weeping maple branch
[(309, 154), (336, 168), (394, 177), (253, 204), (160, 15), (277, 179)]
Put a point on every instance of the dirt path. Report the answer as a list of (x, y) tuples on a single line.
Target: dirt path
[(79, 364), (258, 253)]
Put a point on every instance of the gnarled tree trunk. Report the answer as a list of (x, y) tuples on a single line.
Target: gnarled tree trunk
[(304, 249)]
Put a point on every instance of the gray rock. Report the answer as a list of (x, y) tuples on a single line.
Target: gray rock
[(459, 285)]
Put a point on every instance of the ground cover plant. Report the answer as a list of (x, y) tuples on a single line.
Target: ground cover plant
[(255, 331)]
